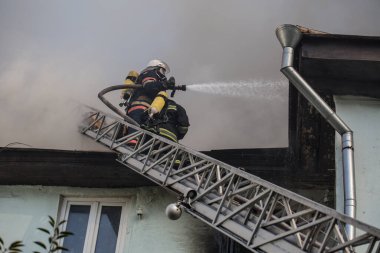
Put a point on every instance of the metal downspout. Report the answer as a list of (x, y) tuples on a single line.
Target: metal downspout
[(289, 36)]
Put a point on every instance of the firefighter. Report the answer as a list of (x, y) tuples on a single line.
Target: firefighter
[(154, 84), (172, 122)]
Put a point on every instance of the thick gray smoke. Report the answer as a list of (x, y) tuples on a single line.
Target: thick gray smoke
[(55, 55)]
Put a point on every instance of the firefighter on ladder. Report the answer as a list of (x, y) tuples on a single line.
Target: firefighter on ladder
[(154, 84), (171, 122)]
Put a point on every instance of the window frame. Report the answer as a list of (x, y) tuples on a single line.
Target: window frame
[(94, 219)]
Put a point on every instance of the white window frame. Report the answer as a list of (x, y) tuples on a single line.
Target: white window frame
[(94, 219)]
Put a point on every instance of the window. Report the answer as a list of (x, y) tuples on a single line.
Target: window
[(98, 225)]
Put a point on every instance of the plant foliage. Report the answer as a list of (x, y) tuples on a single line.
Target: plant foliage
[(15, 247), (54, 238), (55, 234)]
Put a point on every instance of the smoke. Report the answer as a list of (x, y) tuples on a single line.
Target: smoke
[(57, 55), (38, 109)]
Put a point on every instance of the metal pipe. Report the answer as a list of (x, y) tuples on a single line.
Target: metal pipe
[(289, 36), (313, 97), (287, 57), (114, 108), (349, 180)]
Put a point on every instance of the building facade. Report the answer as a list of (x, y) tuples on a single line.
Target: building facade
[(112, 209), (107, 208)]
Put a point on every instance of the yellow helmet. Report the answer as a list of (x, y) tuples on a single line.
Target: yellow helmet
[(131, 77)]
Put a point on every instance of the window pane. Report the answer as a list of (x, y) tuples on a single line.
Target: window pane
[(77, 224), (108, 229)]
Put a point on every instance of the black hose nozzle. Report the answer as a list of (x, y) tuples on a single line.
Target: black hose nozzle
[(180, 87), (177, 87)]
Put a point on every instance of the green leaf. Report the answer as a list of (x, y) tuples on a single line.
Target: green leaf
[(67, 233), (44, 230), (15, 251), (40, 244), (1, 241), (36, 252), (16, 245), (51, 221), (61, 236), (61, 222)]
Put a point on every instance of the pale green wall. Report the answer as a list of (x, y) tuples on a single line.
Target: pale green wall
[(362, 115), (24, 208)]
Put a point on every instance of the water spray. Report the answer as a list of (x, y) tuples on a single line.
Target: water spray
[(257, 88)]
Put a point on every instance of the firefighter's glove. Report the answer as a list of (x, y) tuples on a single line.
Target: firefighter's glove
[(144, 117), (152, 111), (148, 115), (148, 123), (170, 84)]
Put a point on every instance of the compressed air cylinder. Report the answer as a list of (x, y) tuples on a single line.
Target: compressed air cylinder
[(158, 102), (130, 79)]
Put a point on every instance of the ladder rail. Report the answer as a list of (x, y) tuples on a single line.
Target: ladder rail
[(261, 216)]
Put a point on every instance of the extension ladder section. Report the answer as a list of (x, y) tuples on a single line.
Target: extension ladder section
[(259, 215)]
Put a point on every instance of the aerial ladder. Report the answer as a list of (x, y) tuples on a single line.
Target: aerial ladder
[(257, 214)]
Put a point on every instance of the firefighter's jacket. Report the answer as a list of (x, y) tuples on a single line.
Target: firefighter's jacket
[(172, 122), (152, 81)]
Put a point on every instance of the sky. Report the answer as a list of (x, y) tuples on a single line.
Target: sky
[(56, 55)]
